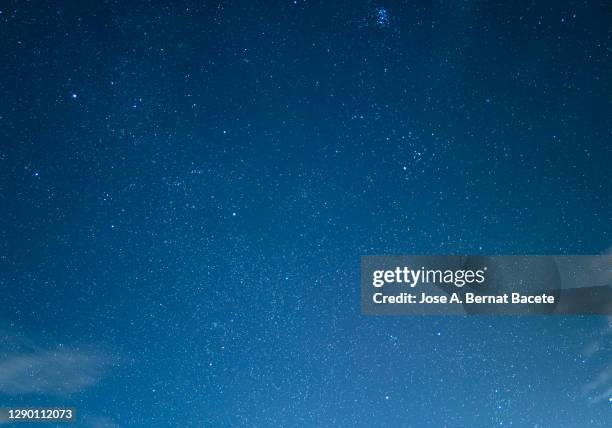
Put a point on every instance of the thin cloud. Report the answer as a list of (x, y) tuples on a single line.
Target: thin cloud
[(599, 389), (61, 371)]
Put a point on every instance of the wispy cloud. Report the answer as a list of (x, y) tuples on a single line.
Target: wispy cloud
[(600, 388), (31, 366), (61, 371)]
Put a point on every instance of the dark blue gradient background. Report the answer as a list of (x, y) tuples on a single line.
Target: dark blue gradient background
[(186, 189)]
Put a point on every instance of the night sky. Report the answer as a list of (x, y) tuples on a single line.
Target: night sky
[(186, 189)]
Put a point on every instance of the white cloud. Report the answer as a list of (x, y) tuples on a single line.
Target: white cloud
[(60, 371)]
